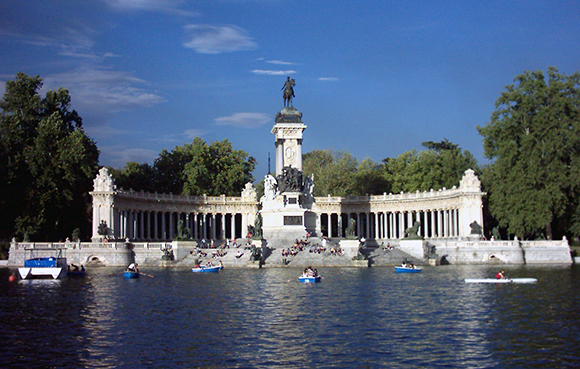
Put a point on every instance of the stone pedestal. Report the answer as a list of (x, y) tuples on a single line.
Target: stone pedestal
[(361, 263), (283, 218), (412, 247)]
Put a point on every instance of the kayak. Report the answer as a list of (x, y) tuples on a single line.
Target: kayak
[(407, 270), (507, 280), (313, 279)]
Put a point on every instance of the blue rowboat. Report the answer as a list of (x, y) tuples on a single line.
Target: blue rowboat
[(130, 275), (206, 269), (407, 270), (310, 279)]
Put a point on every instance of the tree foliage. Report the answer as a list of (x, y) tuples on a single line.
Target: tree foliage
[(135, 176), (217, 169), (533, 140), (338, 173), (47, 161), (441, 166), (195, 168)]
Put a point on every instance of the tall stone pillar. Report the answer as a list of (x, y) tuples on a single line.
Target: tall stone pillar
[(288, 131)]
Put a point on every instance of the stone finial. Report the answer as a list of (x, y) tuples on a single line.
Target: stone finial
[(249, 192), (104, 181), (470, 181)]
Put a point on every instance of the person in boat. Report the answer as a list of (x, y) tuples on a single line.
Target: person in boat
[(133, 267), (500, 275)]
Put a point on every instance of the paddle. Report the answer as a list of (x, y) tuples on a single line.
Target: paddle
[(147, 275)]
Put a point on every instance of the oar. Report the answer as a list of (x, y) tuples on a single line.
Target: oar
[(148, 275)]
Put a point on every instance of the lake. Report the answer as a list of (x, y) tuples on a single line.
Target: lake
[(259, 318)]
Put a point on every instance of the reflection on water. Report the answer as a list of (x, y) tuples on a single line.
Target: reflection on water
[(368, 317)]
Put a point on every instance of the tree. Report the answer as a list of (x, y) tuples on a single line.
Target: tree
[(217, 169), (334, 171), (135, 176), (533, 140), (47, 160), (441, 166)]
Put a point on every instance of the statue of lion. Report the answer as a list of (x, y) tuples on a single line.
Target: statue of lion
[(412, 232), (351, 229)]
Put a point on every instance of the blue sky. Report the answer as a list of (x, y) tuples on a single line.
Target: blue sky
[(376, 78)]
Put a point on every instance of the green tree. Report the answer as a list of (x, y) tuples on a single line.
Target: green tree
[(217, 169), (370, 179), (194, 168), (441, 166), (135, 176), (533, 140), (334, 171), (48, 163)]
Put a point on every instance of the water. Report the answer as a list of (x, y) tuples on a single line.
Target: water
[(354, 318)]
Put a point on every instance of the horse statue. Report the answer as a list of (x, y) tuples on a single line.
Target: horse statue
[(288, 91)]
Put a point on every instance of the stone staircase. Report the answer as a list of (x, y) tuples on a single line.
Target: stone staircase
[(273, 257)]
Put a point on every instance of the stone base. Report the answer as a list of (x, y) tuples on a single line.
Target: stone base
[(413, 248), (361, 263)]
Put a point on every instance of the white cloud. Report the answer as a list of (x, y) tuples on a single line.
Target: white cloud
[(163, 6), (103, 132), (190, 134), (328, 79), (244, 120), (279, 62), (206, 39), (273, 72), (102, 90)]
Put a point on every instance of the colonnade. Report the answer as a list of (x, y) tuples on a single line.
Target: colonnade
[(147, 225), (437, 223)]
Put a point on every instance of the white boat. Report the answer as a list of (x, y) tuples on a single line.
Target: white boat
[(506, 280), (39, 265)]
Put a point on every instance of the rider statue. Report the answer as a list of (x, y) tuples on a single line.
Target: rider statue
[(288, 91)]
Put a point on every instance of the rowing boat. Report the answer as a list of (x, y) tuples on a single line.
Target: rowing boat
[(207, 269), (402, 269), (507, 280), (310, 279), (130, 275)]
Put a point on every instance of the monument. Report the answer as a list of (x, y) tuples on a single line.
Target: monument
[(289, 194)]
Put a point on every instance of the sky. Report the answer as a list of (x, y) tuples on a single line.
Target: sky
[(374, 78)]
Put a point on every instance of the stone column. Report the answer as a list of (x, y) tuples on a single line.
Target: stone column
[(279, 156), (329, 225), (367, 225), (155, 225), (244, 225)]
